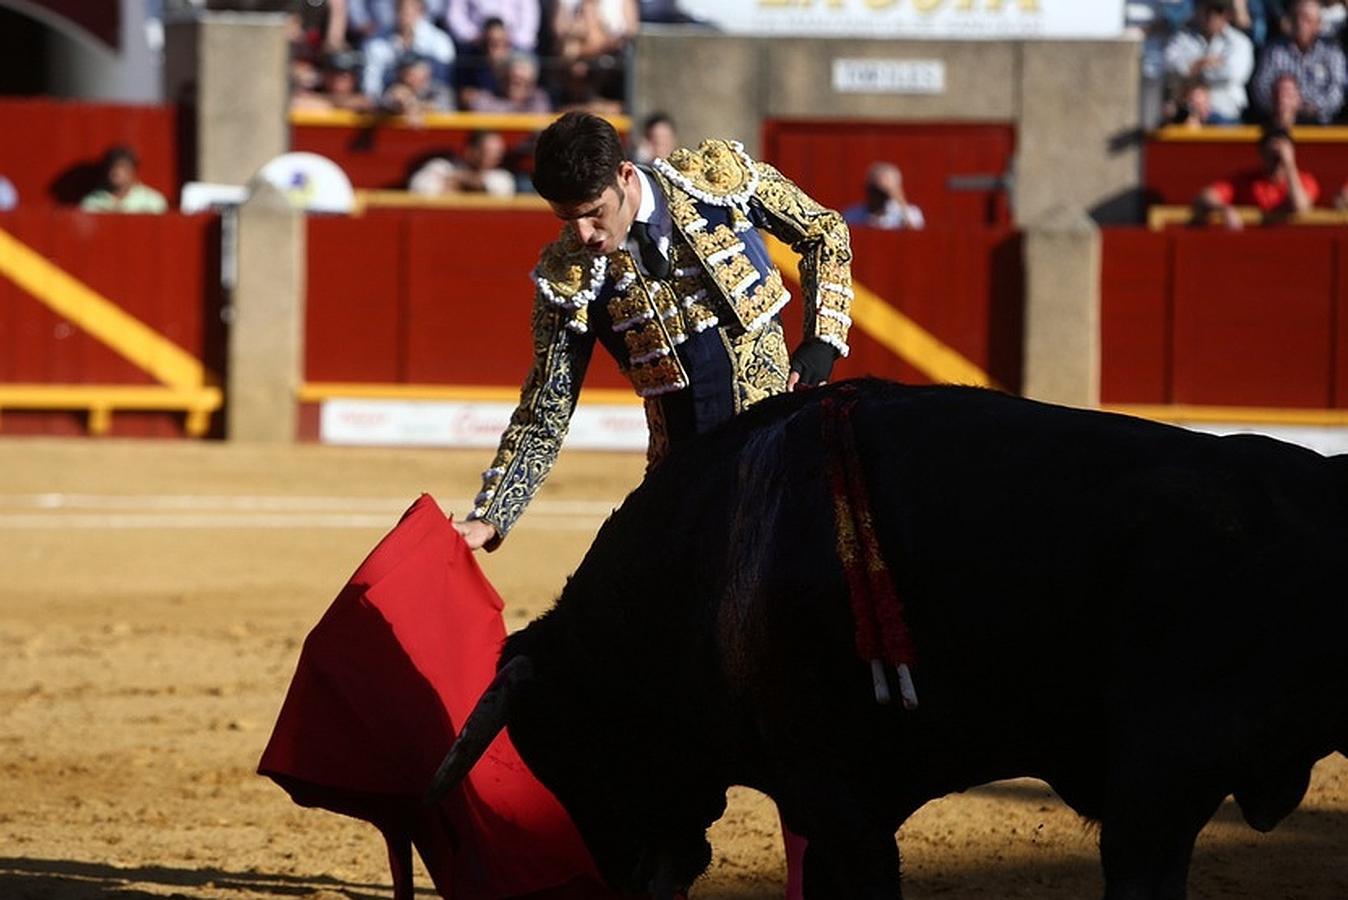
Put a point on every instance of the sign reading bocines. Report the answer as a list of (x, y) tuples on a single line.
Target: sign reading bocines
[(944, 19), (889, 76)]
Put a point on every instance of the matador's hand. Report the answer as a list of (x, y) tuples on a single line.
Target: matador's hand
[(475, 533), (811, 364)]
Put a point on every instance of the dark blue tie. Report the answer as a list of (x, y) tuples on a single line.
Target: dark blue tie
[(655, 263)]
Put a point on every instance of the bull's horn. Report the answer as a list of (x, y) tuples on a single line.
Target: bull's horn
[(484, 723)]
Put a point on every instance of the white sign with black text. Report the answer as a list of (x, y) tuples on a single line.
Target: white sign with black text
[(889, 76)]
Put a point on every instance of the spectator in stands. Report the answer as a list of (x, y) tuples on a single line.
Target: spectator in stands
[(658, 139), (370, 17), (9, 195), (578, 88), (414, 90), (591, 38), (1281, 189), (1155, 21), (466, 19), (480, 170), (412, 33), (885, 205), (1316, 62), (122, 189), (340, 88), (1287, 108), (317, 27), (484, 70), (1194, 107), (520, 93), (590, 28), (1214, 52)]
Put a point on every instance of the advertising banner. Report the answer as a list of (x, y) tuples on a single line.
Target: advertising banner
[(422, 423), (916, 19)]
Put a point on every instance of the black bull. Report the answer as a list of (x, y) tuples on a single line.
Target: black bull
[(1146, 618)]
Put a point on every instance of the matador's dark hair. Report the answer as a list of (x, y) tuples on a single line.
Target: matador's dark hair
[(576, 158)]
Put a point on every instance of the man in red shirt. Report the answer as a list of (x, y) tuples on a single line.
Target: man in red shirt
[(1279, 190)]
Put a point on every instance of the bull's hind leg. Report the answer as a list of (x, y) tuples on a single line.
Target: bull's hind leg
[(862, 868), (1147, 840)]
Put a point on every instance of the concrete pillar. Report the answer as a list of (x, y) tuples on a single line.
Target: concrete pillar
[(232, 69), (1080, 138), (1062, 309), (266, 335), (711, 84)]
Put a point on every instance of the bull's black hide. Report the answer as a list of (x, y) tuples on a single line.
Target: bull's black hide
[(1148, 619)]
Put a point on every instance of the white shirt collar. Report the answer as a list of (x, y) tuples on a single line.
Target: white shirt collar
[(646, 208), (654, 211)]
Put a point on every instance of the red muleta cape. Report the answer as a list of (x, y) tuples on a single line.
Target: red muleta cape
[(384, 679)]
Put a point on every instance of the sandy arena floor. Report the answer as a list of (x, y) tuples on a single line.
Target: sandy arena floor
[(151, 616)]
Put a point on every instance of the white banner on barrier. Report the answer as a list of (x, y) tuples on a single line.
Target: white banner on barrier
[(424, 423), (943, 19)]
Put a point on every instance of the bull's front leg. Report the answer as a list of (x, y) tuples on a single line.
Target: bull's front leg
[(864, 867), (1147, 839)]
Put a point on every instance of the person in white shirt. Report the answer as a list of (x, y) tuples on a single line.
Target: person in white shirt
[(885, 205), (1217, 54), (413, 34)]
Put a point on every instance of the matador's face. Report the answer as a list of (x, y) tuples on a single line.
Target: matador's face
[(602, 223)]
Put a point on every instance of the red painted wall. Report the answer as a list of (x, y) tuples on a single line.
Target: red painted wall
[(966, 287), (1177, 170), (1254, 318), (830, 159), (426, 297), (52, 148), (444, 298), (164, 270)]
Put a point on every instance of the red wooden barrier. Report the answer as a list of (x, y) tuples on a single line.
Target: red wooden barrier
[(163, 270), (444, 298), (427, 298), (831, 158), (966, 287), (52, 148), (1213, 318)]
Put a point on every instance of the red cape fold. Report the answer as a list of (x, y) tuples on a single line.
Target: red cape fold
[(384, 679)]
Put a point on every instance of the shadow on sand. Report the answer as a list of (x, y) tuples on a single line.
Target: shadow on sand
[(52, 879), (1306, 858)]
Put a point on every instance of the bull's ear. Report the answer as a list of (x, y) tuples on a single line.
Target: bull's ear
[(484, 723)]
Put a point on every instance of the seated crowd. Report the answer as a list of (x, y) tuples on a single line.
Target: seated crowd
[(1223, 60), (410, 57), (1279, 64)]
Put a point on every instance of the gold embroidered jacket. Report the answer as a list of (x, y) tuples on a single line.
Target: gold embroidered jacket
[(721, 277)]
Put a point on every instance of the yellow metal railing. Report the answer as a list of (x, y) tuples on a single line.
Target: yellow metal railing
[(184, 385)]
